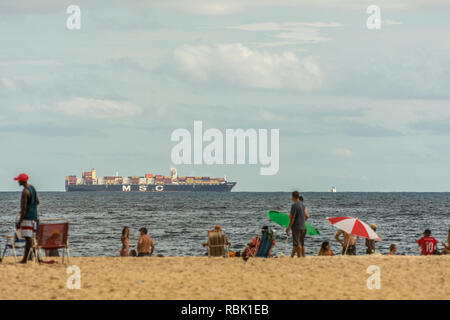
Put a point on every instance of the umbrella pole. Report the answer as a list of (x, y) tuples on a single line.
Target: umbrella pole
[(346, 247)]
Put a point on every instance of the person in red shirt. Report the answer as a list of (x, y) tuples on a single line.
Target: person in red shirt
[(428, 243)]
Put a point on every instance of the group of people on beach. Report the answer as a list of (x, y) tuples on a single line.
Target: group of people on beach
[(297, 226), (26, 225), (145, 245), (299, 214)]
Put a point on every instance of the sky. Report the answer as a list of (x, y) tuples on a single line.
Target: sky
[(358, 109)]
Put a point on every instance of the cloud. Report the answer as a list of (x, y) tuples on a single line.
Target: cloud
[(8, 83), (436, 127), (342, 152), (290, 32), (210, 7), (96, 108), (236, 63), (228, 7), (274, 26)]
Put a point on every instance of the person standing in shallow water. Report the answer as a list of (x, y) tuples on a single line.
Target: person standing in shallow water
[(144, 244), (125, 242), (370, 243), (297, 224), (28, 213)]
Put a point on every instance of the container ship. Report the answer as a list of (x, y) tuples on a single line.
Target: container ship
[(147, 183)]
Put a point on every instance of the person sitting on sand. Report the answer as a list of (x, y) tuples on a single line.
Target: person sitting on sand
[(226, 241), (370, 243), (446, 249), (428, 243), (250, 249), (125, 238), (144, 244), (325, 249), (349, 243), (392, 249)]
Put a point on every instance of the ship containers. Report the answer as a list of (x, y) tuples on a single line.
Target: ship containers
[(134, 180), (86, 175), (71, 179), (148, 175), (142, 180), (110, 179)]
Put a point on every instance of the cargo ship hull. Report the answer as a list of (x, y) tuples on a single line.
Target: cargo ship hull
[(225, 187)]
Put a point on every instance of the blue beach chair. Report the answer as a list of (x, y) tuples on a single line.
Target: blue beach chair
[(268, 240), (15, 242)]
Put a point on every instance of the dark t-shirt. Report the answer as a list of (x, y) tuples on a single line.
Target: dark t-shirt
[(298, 211)]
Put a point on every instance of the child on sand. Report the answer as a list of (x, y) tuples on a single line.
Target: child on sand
[(325, 249), (428, 243)]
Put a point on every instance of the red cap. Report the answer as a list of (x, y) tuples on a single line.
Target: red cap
[(21, 177)]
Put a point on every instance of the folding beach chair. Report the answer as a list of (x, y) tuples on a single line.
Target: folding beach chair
[(14, 242), (218, 243), (266, 243), (261, 245), (53, 234)]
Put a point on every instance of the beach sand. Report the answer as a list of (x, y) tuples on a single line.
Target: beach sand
[(339, 277)]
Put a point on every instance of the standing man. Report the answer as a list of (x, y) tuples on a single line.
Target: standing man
[(144, 244), (28, 213), (298, 217)]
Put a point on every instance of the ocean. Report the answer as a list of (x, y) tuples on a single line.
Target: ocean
[(178, 222)]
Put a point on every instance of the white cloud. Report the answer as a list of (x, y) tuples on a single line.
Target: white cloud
[(291, 32), (342, 152), (214, 7), (236, 63), (96, 108), (8, 83), (228, 7), (274, 26)]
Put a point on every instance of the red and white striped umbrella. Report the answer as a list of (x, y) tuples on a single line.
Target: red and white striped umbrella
[(354, 226)]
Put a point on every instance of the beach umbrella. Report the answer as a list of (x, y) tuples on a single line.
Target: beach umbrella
[(283, 220), (354, 226)]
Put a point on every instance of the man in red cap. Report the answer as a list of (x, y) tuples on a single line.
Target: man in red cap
[(28, 213)]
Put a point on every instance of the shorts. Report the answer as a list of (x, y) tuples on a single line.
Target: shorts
[(298, 237), (28, 228), (351, 250), (144, 254)]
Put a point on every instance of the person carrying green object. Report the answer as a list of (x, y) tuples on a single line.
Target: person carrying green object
[(283, 220), (298, 217)]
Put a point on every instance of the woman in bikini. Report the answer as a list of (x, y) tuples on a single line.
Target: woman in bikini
[(125, 242)]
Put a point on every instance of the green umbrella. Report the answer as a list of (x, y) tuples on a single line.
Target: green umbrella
[(283, 220)]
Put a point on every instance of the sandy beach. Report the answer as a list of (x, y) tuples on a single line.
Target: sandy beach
[(339, 277)]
